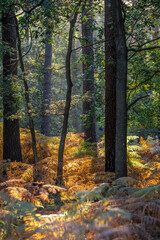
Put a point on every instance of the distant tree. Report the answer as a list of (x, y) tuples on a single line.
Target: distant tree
[(11, 134), (76, 111), (90, 133), (45, 126)]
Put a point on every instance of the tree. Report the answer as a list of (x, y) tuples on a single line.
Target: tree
[(76, 110), (121, 91), (115, 90), (45, 127), (68, 97), (11, 134), (110, 89), (90, 133), (28, 103)]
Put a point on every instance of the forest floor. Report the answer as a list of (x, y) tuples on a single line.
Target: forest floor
[(91, 204)]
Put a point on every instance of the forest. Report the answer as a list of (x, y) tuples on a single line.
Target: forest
[(79, 119)]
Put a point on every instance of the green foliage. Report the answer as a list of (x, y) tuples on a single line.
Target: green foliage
[(132, 151), (85, 148), (150, 192), (96, 194), (12, 215), (143, 71)]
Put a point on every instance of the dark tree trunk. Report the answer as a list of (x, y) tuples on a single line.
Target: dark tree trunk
[(121, 82), (11, 134), (29, 111), (68, 101), (90, 133), (45, 127), (110, 89)]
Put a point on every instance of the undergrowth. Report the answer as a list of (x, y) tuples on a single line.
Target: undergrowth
[(95, 205)]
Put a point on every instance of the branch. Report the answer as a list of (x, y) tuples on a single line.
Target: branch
[(153, 40), (146, 80), (89, 45), (142, 49), (135, 101), (26, 11), (30, 10)]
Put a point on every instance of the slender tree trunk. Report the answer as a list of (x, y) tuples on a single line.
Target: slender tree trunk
[(68, 101), (121, 82), (90, 133), (29, 111), (76, 112), (11, 134), (45, 127), (110, 89)]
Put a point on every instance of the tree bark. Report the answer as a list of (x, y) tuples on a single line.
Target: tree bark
[(11, 133), (121, 83), (68, 101), (110, 89), (89, 126), (45, 127), (28, 103)]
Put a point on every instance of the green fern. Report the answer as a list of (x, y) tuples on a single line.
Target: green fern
[(148, 192), (14, 212), (96, 194)]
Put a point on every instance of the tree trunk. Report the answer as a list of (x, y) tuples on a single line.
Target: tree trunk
[(29, 111), (90, 133), (68, 101), (11, 134), (45, 127), (76, 111), (110, 89), (121, 82)]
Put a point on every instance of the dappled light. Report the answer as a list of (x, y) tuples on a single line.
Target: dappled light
[(95, 205)]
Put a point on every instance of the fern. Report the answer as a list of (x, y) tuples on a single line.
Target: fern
[(15, 212), (85, 148), (112, 210), (121, 232), (149, 192)]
